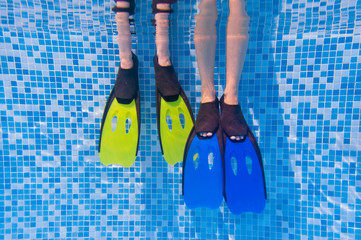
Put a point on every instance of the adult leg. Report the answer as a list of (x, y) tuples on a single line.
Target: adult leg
[(237, 43), (205, 40)]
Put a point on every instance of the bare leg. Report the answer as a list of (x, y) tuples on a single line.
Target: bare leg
[(162, 34), (124, 36), (205, 40), (237, 43)]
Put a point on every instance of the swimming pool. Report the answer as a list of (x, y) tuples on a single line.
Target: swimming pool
[(300, 91)]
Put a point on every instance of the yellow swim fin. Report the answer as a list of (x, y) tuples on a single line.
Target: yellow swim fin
[(174, 113), (119, 133)]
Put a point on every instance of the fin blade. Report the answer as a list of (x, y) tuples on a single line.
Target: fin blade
[(245, 190), (174, 141), (119, 147), (202, 186)]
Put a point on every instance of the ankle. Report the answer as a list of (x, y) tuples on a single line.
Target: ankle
[(126, 63), (230, 99), (206, 99), (164, 61)]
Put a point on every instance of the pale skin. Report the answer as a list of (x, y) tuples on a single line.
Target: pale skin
[(162, 35), (124, 38)]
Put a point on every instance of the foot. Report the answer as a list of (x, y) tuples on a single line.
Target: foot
[(164, 61), (233, 122), (205, 134), (208, 119), (237, 138), (127, 62)]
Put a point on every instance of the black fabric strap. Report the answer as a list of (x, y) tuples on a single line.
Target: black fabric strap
[(129, 10), (156, 10)]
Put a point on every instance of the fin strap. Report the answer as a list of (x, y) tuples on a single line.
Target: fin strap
[(129, 9), (155, 10)]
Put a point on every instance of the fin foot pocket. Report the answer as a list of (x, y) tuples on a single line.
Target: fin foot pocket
[(232, 120), (166, 81), (207, 119), (126, 86)]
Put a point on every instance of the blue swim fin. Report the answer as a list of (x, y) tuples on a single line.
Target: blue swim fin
[(245, 187), (203, 162)]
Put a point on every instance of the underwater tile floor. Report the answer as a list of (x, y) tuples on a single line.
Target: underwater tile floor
[(300, 92)]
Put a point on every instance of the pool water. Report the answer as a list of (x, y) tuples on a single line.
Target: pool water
[(300, 93)]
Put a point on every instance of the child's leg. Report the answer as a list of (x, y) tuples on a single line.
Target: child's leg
[(124, 36), (162, 34), (162, 9)]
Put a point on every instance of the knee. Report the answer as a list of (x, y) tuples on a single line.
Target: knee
[(208, 9), (206, 19), (237, 9), (238, 19)]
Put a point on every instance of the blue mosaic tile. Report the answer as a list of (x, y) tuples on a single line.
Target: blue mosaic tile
[(300, 92)]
